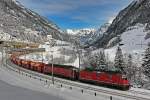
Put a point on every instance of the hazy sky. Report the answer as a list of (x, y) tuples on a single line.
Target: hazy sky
[(77, 14)]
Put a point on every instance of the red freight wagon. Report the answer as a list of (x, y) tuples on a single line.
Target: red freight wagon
[(32, 65), (37, 66), (18, 61), (26, 64), (13, 59), (61, 70)]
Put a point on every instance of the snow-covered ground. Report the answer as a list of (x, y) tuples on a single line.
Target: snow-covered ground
[(9, 92)]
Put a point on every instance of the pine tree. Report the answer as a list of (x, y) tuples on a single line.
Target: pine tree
[(119, 60), (146, 62), (92, 60), (130, 68), (101, 60), (97, 60), (129, 63)]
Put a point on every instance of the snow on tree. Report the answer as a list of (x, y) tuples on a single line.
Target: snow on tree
[(146, 62), (97, 60), (101, 60), (119, 60), (92, 60), (130, 67)]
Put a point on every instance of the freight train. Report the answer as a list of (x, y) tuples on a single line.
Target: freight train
[(107, 78)]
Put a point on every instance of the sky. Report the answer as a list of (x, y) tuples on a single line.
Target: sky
[(77, 14)]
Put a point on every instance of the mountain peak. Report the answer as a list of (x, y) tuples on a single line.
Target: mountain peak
[(138, 12), (83, 31)]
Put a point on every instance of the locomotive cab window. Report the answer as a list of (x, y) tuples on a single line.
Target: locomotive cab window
[(124, 77), (98, 73)]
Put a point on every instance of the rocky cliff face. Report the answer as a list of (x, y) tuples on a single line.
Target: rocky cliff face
[(138, 12), (22, 23)]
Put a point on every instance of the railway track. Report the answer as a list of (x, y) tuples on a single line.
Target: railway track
[(139, 92), (135, 95)]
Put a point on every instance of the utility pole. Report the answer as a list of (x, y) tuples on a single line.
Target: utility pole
[(79, 60), (42, 57), (52, 44), (52, 68), (1, 47), (6, 55), (78, 51), (25, 56), (141, 44)]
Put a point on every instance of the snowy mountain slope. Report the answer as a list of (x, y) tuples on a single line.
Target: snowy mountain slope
[(136, 13), (88, 36), (16, 20), (80, 35), (6, 36), (97, 34), (134, 43), (132, 26)]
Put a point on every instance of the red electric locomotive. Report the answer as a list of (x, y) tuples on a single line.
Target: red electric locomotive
[(108, 78)]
